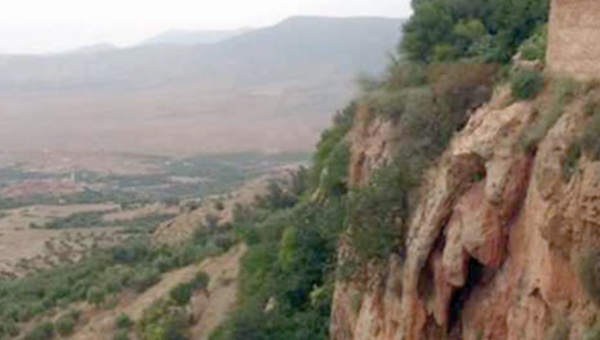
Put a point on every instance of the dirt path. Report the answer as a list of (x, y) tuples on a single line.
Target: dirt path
[(211, 309)]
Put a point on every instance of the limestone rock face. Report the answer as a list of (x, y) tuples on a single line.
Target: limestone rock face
[(493, 246)]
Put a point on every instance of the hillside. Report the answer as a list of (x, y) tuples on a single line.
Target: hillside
[(457, 196), (190, 38)]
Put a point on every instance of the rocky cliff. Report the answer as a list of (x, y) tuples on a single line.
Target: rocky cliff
[(494, 247)]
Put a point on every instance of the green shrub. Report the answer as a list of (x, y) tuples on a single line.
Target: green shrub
[(534, 48), (356, 300), (219, 205), (386, 103), (96, 296), (201, 281), (65, 325), (378, 213), (8, 329), (123, 321), (334, 180), (330, 139), (182, 293), (44, 331), (563, 92), (163, 322), (225, 241), (164, 263), (526, 84), (145, 278), (483, 30), (571, 161)]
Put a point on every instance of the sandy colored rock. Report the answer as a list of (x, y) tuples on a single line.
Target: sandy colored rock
[(488, 257)]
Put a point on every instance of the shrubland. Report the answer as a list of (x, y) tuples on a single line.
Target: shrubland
[(449, 62), (98, 278)]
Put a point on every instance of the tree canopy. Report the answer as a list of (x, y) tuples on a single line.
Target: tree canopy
[(485, 30)]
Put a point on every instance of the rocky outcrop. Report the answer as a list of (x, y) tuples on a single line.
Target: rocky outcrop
[(494, 244)]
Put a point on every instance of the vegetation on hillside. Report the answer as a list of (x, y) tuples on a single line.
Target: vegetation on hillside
[(294, 233), (480, 30), (94, 219), (99, 279), (288, 274)]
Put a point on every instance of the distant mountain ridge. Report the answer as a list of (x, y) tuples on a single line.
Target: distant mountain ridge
[(272, 89), (190, 38), (288, 49), (101, 47)]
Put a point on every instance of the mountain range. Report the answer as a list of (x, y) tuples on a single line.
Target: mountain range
[(207, 92), (190, 37)]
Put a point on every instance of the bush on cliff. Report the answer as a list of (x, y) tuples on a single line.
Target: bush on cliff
[(534, 48), (482, 30), (526, 84)]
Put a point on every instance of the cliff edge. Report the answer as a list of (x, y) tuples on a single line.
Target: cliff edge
[(496, 242)]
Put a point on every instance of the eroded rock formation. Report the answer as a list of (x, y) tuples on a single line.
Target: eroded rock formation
[(488, 257)]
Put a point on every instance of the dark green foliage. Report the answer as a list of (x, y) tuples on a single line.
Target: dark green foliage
[(123, 321), (78, 220), (563, 92), (534, 48), (428, 109), (526, 84), (571, 161), (331, 141), (65, 325), (200, 281), (219, 206), (44, 331), (278, 197), (379, 212), (8, 329), (334, 180), (182, 293), (96, 296), (94, 219), (95, 278), (162, 321), (486, 30), (144, 279), (292, 265)]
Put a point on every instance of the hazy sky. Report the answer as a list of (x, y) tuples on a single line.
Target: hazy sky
[(39, 26)]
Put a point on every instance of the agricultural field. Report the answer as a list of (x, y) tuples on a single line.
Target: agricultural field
[(51, 216)]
